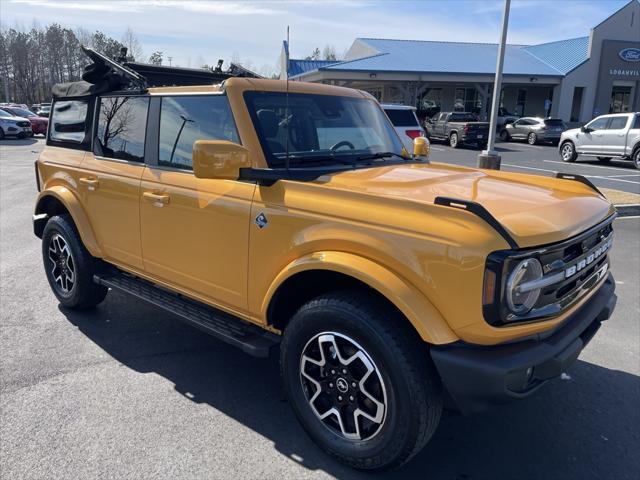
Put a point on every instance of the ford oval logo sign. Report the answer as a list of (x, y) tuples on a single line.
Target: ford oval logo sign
[(630, 54)]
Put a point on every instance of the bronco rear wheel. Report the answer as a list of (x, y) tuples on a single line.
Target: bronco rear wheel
[(69, 266), (360, 382), (453, 140)]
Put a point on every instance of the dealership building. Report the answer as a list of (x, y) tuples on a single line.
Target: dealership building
[(574, 79)]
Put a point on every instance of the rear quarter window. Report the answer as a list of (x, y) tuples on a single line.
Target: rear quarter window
[(402, 118), (69, 121)]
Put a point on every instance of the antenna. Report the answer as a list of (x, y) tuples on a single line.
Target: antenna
[(286, 106)]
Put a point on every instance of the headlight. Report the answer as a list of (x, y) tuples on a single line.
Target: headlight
[(519, 302)]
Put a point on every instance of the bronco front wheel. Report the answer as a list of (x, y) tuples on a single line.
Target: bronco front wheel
[(360, 381)]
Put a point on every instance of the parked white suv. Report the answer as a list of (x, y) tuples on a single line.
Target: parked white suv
[(605, 137), (405, 122)]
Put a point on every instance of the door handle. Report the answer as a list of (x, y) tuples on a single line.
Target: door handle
[(91, 183), (157, 199)]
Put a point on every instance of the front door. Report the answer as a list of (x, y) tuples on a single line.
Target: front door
[(195, 232), (590, 142), (109, 185)]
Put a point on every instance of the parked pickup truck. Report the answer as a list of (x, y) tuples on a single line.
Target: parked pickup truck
[(604, 137), (458, 128)]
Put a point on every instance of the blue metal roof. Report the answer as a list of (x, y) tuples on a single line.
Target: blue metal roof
[(419, 56), (296, 67), (564, 55)]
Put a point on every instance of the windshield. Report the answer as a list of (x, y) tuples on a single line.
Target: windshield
[(4, 113), (402, 118), (320, 128), (21, 112)]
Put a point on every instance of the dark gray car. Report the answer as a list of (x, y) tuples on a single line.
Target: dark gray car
[(534, 130)]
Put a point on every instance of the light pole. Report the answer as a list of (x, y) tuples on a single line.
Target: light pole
[(489, 158), (175, 144)]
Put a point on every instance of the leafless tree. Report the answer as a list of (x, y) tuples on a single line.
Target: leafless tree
[(134, 48)]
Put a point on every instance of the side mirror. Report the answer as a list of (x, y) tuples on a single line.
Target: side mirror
[(421, 148), (585, 129), (219, 159)]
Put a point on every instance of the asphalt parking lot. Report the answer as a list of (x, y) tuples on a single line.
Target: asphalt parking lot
[(128, 391), (543, 159)]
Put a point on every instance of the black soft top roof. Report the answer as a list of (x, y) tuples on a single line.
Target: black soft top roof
[(101, 76)]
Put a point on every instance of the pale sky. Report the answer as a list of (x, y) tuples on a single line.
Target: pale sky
[(197, 32)]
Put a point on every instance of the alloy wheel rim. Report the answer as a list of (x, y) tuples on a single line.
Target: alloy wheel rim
[(566, 152), (343, 386), (62, 265), (532, 138), (454, 139)]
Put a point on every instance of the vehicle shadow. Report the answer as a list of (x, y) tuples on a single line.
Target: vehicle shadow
[(18, 141), (584, 427)]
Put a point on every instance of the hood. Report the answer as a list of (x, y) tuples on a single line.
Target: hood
[(15, 119), (535, 210)]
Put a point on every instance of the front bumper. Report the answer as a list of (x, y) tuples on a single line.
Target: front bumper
[(477, 377)]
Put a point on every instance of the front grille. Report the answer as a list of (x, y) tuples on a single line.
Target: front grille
[(578, 265), (23, 124)]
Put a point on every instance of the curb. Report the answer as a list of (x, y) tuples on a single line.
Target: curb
[(628, 209)]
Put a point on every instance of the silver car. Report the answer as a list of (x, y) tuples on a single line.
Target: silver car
[(534, 130)]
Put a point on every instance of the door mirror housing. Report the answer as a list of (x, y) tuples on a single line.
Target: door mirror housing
[(421, 148), (219, 159), (585, 129)]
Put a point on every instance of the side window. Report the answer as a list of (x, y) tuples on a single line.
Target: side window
[(185, 119), (598, 123), (617, 123), (636, 125), (122, 123), (68, 121)]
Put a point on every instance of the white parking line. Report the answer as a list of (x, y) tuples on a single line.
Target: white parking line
[(612, 179), (617, 169), (588, 176), (626, 175), (528, 168), (526, 145)]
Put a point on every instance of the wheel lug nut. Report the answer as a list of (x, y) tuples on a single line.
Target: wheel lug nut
[(333, 372), (339, 398), (330, 385), (353, 384), (351, 398), (344, 371)]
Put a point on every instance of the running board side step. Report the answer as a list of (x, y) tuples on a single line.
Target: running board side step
[(226, 327)]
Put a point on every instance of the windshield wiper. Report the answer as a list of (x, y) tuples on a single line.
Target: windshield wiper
[(380, 155)]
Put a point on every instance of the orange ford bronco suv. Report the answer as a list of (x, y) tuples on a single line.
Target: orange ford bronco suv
[(273, 215)]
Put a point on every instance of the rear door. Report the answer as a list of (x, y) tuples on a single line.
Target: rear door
[(614, 137), (195, 232), (110, 184)]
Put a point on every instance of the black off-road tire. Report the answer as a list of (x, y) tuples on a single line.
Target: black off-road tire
[(568, 152), (412, 385), (635, 157), (504, 135), (454, 140), (83, 292)]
